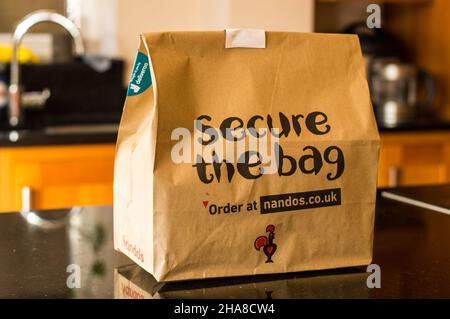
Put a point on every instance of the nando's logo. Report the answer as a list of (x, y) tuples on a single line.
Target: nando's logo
[(267, 244)]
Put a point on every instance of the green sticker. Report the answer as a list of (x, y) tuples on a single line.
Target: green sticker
[(140, 79)]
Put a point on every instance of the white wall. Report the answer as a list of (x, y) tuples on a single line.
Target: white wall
[(274, 15), (138, 16), (112, 27)]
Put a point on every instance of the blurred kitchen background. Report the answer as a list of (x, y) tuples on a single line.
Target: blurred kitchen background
[(60, 108)]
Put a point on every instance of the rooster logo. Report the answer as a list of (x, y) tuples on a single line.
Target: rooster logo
[(268, 245)]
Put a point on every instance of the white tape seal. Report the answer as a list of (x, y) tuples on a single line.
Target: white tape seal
[(245, 38)]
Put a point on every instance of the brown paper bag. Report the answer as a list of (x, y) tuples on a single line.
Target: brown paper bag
[(246, 153)]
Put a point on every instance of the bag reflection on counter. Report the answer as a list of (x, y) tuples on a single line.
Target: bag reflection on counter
[(131, 282)]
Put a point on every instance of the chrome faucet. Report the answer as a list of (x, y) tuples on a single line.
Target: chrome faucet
[(22, 28)]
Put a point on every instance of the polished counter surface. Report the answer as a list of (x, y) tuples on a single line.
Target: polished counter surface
[(69, 254), (423, 124), (60, 135)]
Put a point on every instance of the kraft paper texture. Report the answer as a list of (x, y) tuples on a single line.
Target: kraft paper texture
[(162, 209)]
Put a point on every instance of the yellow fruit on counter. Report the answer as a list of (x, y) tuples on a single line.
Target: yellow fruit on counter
[(25, 55)]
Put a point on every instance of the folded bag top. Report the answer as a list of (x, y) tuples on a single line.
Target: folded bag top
[(246, 152)]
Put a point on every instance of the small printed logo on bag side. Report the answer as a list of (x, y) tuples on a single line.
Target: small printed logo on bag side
[(266, 243), (140, 79)]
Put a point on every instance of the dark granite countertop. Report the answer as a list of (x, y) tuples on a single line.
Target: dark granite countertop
[(421, 125), (63, 135), (411, 245), (42, 137)]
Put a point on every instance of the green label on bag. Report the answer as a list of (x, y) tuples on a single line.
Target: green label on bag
[(140, 79)]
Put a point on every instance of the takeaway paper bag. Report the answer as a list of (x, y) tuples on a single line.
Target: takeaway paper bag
[(238, 159)]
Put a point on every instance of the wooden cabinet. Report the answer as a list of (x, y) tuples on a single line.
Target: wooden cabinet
[(57, 176), (414, 159)]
